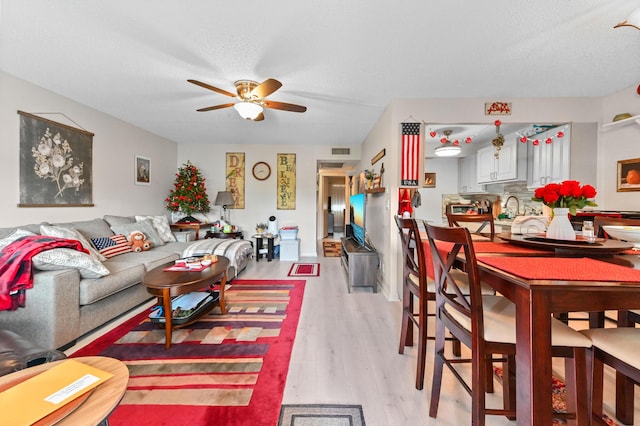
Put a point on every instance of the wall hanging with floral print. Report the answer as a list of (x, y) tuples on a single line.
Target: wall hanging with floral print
[(55, 164)]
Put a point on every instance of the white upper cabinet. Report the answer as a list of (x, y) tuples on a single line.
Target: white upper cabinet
[(468, 177), (549, 163), (510, 165)]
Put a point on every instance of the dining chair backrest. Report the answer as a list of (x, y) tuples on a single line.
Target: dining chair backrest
[(484, 220), (451, 293), (600, 221), (413, 258)]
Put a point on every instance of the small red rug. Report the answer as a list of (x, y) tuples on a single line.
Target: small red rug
[(221, 370), (304, 270)]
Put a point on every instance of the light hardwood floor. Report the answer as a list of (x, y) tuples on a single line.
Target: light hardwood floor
[(346, 352)]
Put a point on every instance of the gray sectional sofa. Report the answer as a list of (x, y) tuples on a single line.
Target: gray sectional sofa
[(67, 302)]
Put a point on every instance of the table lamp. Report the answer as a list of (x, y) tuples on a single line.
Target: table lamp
[(224, 199)]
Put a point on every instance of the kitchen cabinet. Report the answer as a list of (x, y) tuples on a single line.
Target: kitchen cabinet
[(549, 163), (510, 165), (468, 176)]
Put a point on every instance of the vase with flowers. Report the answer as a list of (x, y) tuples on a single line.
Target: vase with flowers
[(369, 175), (564, 198)]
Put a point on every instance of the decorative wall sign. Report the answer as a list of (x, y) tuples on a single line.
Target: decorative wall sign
[(286, 194), (628, 175), (378, 156), (497, 108), (55, 164), (235, 178), (410, 158), (143, 170)]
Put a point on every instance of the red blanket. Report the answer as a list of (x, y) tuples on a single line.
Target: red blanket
[(16, 273)]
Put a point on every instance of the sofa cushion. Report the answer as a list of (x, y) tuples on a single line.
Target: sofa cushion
[(17, 233), (33, 227), (112, 246), (161, 225), (143, 226), (122, 276), (94, 228), (150, 258), (65, 258), (72, 234), (118, 220)]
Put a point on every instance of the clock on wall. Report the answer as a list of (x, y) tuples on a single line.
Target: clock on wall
[(261, 170)]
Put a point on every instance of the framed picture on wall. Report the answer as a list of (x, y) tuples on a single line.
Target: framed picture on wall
[(628, 175), (55, 164), (143, 170), (429, 180)]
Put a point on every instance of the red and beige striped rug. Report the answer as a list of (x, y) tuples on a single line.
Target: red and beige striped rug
[(224, 369)]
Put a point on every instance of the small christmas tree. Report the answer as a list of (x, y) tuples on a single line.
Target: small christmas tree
[(189, 194)]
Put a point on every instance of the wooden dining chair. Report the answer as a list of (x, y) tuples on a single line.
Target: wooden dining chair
[(598, 223), (618, 348), (484, 220), (486, 325), (417, 291)]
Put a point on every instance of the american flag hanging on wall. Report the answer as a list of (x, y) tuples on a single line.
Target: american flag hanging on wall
[(409, 174)]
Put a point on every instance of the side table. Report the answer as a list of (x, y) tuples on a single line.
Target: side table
[(259, 243), (191, 225)]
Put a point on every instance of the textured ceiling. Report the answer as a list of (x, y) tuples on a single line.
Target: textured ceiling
[(344, 60)]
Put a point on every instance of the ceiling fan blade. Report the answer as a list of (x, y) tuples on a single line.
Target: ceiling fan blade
[(211, 108), (259, 117), (284, 106), (266, 88), (210, 87)]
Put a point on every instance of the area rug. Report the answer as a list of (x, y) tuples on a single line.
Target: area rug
[(304, 270), (222, 370), (321, 415), (559, 399)]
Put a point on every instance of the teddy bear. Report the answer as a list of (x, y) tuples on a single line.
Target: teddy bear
[(139, 241)]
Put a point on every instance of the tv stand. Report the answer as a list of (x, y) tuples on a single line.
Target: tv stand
[(360, 263)]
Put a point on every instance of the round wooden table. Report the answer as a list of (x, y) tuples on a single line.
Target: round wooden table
[(167, 284), (100, 402)]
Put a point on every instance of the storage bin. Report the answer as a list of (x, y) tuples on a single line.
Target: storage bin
[(289, 233), (290, 250)]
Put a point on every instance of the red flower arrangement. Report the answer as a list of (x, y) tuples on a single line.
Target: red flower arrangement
[(568, 194)]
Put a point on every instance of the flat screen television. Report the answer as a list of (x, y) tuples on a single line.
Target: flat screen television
[(357, 215)]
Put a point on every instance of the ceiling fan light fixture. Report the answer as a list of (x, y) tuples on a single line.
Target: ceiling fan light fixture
[(632, 21), (248, 110), (447, 151)]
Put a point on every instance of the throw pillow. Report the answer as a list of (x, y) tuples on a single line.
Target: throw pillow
[(160, 224), (18, 233), (112, 246), (118, 220), (71, 234), (143, 226), (65, 258)]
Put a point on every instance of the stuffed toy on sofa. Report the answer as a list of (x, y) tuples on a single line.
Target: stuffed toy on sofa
[(139, 242)]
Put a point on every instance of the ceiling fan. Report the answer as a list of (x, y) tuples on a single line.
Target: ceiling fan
[(252, 98)]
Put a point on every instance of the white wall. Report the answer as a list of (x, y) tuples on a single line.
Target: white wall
[(617, 143), (260, 196), (114, 146)]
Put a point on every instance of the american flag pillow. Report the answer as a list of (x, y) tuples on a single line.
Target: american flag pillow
[(112, 246)]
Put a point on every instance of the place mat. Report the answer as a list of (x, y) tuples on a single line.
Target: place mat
[(492, 247), (562, 268)]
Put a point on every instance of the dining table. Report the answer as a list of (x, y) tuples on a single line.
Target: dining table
[(542, 281)]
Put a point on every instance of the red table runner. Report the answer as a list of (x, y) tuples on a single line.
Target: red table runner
[(562, 268)]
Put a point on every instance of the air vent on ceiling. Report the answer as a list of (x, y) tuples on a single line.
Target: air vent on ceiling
[(340, 151), (331, 165)]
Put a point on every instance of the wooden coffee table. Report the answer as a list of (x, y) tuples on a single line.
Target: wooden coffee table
[(100, 402), (167, 284)]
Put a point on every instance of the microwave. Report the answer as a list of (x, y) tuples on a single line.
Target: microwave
[(462, 209)]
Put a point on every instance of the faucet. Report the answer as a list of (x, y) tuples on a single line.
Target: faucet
[(506, 203)]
